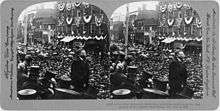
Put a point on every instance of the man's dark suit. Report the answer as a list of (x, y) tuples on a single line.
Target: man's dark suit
[(177, 77), (80, 74)]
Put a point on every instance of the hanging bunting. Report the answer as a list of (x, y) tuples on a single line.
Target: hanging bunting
[(87, 18), (179, 5), (68, 6), (163, 8), (77, 21), (198, 23), (170, 7), (61, 6), (98, 21), (170, 22), (77, 4), (69, 20), (188, 20)]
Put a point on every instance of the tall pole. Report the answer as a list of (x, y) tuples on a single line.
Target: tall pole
[(25, 35), (126, 33)]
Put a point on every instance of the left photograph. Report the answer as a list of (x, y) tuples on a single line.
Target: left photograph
[(62, 52)]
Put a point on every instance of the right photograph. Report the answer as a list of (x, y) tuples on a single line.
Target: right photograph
[(156, 51)]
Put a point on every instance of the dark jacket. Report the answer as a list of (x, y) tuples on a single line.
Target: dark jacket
[(177, 76), (79, 72)]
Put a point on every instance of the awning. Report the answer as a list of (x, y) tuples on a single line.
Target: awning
[(67, 39), (168, 40), (70, 38)]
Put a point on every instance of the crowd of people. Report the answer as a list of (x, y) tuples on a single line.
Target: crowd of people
[(98, 73), (156, 60)]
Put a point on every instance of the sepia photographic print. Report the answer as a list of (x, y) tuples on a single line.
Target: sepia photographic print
[(109, 54)]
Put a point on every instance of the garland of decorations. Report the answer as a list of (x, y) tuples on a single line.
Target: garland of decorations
[(87, 18), (77, 21), (68, 6), (84, 37), (170, 7), (98, 21), (69, 20), (198, 23), (170, 22), (77, 4), (188, 20), (61, 6), (163, 8), (179, 5)]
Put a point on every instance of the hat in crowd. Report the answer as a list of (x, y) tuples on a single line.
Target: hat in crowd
[(79, 45), (72, 53), (178, 45), (181, 54), (34, 71), (28, 57)]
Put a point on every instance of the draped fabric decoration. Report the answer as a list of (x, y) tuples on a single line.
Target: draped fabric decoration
[(179, 5), (98, 21), (170, 7), (87, 18), (80, 15), (198, 23), (61, 6), (188, 20), (77, 4), (70, 38), (163, 8), (68, 6), (77, 21), (69, 20), (170, 22), (198, 39)]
